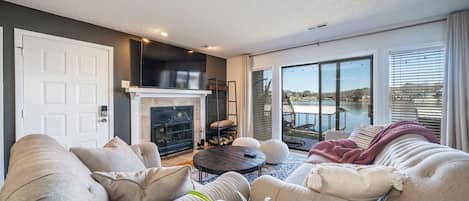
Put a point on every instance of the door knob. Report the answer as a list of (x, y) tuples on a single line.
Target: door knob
[(103, 120)]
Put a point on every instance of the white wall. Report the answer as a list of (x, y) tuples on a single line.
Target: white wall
[(233, 72), (378, 45)]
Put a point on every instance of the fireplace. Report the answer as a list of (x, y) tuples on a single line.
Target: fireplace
[(172, 129)]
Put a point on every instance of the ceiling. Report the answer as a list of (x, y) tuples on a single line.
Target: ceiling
[(245, 26)]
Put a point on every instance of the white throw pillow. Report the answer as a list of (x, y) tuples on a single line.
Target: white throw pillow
[(115, 156), (153, 184), (354, 182), (363, 135)]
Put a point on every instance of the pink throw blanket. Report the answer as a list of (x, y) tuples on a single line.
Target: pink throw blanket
[(346, 151)]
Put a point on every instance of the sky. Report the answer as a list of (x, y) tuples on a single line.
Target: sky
[(354, 74)]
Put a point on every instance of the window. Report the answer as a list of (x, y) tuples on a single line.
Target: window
[(332, 95), (417, 86), (262, 104)]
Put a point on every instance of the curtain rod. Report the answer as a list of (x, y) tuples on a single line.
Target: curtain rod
[(440, 19)]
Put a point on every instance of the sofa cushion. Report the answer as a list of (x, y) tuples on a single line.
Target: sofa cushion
[(41, 169), (315, 159), (436, 172), (278, 190), (148, 154), (354, 182), (225, 187), (115, 156), (300, 174), (154, 184)]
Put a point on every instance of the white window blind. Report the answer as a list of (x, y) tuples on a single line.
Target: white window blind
[(262, 104), (417, 86)]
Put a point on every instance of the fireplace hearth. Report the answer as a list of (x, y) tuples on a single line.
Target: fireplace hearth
[(172, 129)]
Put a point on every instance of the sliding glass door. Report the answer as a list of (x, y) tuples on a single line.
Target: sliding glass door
[(333, 95), (300, 105), (355, 93)]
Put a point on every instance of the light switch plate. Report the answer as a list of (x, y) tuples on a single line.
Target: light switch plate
[(125, 84)]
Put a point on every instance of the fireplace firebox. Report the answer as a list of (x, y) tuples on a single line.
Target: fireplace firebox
[(172, 129)]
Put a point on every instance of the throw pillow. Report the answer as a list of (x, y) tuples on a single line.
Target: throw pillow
[(354, 182), (153, 184), (115, 156), (363, 135)]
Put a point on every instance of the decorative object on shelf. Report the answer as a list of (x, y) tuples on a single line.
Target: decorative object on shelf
[(223, 140)]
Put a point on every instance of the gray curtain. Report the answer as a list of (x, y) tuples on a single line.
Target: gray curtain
[(455, 123)]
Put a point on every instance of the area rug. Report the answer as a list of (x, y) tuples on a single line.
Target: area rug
[(280, 171)]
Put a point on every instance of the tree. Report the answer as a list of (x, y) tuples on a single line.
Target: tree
[(307, 93)]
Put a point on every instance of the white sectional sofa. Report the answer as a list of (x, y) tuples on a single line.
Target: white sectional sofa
[(436, 173)]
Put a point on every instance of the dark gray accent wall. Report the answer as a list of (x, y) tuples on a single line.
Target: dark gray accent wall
[(14, 16), (216, 68), (126, 60)]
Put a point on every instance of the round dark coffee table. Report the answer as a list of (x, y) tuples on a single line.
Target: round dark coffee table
[(219, 160)]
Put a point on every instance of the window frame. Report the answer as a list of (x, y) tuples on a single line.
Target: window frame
[(371, 57), (390, 52)]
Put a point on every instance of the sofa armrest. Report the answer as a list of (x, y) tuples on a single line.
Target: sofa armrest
[(148, 153), (278, 190), (225, 187), (335, 135)]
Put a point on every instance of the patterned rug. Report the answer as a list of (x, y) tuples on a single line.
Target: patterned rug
[(280, 171)]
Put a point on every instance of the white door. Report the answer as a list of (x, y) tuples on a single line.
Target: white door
[(64, 86)]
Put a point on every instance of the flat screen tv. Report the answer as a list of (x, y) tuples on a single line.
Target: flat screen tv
[(170, 67)]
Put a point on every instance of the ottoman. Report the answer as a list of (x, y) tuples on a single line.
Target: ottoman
[(275, 151), (246, 142)]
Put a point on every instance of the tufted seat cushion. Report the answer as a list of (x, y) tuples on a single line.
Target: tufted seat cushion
[(436, 172), (41, 169)]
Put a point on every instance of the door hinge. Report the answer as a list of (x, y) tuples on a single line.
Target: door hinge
[(22, 50), (22, 114)]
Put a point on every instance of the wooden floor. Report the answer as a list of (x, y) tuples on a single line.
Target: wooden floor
[(186, 158), (179, 159)]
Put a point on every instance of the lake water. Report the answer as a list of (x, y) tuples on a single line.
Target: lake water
[(355, 115)]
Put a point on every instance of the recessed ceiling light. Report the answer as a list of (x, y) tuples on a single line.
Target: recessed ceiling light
[(209, 47), (164, 34), (145, 40)]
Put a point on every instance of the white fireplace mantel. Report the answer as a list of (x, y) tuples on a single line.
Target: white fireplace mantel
[(136, 94)]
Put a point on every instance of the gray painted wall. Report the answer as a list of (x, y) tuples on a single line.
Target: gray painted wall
[(216, 68), (13, 16), (126, 66)]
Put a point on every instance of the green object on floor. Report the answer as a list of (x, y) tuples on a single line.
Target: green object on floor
[(203, 197), (199, 195)]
